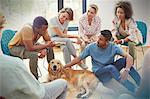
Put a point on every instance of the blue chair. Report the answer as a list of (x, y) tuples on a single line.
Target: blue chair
[(143, 28), (7, 35)]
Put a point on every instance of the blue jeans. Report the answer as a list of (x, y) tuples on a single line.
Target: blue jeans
[(108, 72)]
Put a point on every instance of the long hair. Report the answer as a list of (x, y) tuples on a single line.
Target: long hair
[(126, 6)]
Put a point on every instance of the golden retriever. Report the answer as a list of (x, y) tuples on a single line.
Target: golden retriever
[(83, 80), (54, 70)]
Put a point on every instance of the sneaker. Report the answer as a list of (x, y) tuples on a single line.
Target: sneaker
[(83, 66)]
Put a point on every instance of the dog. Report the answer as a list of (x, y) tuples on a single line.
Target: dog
[(54, 70), (83, 80)]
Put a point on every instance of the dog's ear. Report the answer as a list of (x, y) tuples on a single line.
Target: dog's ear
[(49, 67)]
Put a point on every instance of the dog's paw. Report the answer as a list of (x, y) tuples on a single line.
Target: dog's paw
[(78, 95), (81, 96), (83, 66), (84, 97)]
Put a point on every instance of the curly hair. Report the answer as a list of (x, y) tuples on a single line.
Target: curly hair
[(39, 21), (2, 21), (126, 6)]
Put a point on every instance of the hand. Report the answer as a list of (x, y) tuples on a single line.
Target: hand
[(87, 40), (79, 41), (118, 41), (42, 53), (65, 67), (124, 75), (50, 44)]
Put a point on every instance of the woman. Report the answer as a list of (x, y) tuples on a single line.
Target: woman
[(89, 26), (58, 30), (125, 29)]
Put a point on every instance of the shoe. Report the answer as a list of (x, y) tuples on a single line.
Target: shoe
[(83, 66)]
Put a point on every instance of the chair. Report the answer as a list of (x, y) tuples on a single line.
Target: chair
[(7, 35), (143, 28)]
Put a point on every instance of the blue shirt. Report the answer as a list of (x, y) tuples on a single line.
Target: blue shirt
[(100, 56)]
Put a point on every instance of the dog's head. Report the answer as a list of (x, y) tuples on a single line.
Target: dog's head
[(55, 66)]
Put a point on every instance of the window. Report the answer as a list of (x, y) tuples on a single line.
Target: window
[(76, 5)]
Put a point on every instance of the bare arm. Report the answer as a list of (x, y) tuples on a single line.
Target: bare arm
[(73, 62), (31, 47), (46, 37), (129, 63), (129, 59)]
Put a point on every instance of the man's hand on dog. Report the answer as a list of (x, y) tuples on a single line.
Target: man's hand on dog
[(66, 67)]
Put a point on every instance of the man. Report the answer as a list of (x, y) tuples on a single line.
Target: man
[(103, 53), (17, 83), (24, 43)]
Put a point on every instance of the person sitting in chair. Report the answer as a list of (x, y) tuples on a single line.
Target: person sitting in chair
[(17, 83), (125, 30), (24, 45)]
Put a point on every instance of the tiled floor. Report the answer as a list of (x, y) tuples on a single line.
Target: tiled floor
[(101, 92)]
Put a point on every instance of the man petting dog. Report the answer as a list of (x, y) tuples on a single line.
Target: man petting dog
[(104, 66), (24, 43)]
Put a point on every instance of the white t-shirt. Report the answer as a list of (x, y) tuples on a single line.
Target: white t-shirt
[(54, 22)]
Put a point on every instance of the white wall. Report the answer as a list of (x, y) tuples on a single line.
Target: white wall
[(20, 12), (106, 10), (148, 36)]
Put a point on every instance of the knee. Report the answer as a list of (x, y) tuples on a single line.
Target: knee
[(111, 68), (83, 45), (65, 49), (68, 41), (122, 60), (34, 55), (131, 44), (63, 82)]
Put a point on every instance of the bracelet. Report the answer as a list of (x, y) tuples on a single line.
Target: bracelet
[(127, 69), (122, 41)]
